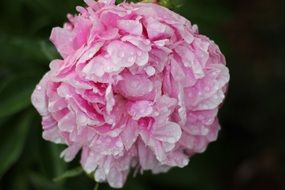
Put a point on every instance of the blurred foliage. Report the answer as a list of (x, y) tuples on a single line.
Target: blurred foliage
[(250, 151)]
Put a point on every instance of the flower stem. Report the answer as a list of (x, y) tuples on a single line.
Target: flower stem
[(96, 186), (149, 1)]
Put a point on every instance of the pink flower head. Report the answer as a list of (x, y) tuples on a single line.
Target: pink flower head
[(137, 87)]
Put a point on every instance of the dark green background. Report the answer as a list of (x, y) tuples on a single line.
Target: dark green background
[(250, 151)]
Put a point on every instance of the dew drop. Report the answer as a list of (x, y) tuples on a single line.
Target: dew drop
[(214, 74), (107, 170), (150, 71), (171, 140), (119, 144), (90, 55), (207, 89), (147, 42), (204, 131), (131, 59), (39, 87), (158, 157), (114, 134), (82, 120), (122, 54)]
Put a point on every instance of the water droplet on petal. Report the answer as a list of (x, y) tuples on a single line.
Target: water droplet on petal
[(131, 59), (214, 74), (139, 53), (150, 71), (207, 89), (157, 157), (119, 144), (114, 134), (39, 87), (68, 96), (89, 55), (122, 54), (107, 170), (171, 140), (147, 42)]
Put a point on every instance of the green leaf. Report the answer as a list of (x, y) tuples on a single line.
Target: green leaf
[(12, 141), (68, 174), (15, 95), (42, 182), (59, 165), (48, 50)]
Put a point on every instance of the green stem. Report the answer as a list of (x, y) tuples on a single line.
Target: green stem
[(149, 1), (96, 186)]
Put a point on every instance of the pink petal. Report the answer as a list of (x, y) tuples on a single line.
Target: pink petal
[(62, 39), (130, 26), (170, 133), (110, 101), (140, 109)]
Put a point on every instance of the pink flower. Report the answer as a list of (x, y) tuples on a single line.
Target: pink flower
[(137, 87)]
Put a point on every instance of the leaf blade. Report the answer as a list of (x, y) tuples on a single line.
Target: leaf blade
[(12, 143), (15, 94)]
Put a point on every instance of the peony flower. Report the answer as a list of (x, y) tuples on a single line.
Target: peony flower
[(137, 88)]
